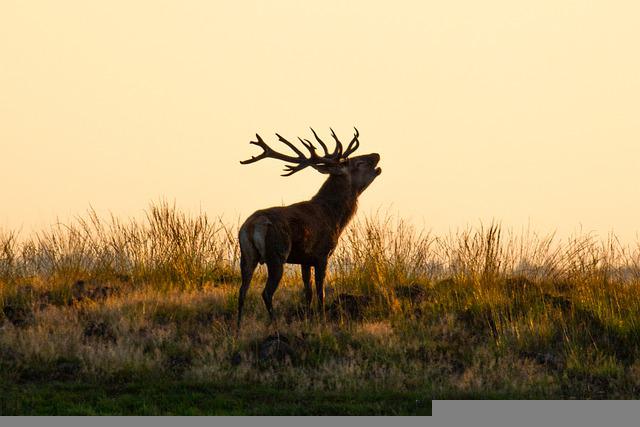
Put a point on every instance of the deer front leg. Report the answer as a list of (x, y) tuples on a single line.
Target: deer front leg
[(306, 279), (320, 270)]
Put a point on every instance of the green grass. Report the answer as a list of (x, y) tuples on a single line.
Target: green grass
[(181, 398), (99, 307)]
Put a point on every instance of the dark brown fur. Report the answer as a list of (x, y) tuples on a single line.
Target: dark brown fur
[(304, 233)]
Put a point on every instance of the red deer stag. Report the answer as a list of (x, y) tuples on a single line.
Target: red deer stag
[(304, 233)]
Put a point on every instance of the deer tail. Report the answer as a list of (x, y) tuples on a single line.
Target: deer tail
[(253, 237), (259, 238)]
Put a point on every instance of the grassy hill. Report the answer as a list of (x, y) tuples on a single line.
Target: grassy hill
[(138, 317)]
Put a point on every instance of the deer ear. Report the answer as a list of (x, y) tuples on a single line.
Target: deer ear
[(340, 169)]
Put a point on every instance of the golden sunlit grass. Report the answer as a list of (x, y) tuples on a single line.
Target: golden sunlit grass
[(479, 313)]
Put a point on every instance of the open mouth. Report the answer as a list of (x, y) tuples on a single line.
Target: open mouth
[(378, 171)]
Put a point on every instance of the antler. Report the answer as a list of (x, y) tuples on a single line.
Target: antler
[(301, 161)]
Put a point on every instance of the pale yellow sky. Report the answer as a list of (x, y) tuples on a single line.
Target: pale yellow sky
[(526, 112)]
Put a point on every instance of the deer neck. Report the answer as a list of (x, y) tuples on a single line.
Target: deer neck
[(337, 199)]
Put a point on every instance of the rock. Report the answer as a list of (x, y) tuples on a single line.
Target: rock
[(18, 315)]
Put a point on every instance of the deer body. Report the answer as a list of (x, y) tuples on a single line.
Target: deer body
[(304, 233)]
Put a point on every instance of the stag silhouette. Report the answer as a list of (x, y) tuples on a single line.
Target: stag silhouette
[(304, 233)]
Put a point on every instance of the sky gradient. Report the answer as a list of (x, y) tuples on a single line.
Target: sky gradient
[(523, 112)]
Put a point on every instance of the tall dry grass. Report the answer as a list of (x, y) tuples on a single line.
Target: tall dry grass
[(480, 312)]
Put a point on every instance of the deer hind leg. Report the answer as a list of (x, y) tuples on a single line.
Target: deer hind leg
[(248, 261), (247, 267), (274, 270)]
